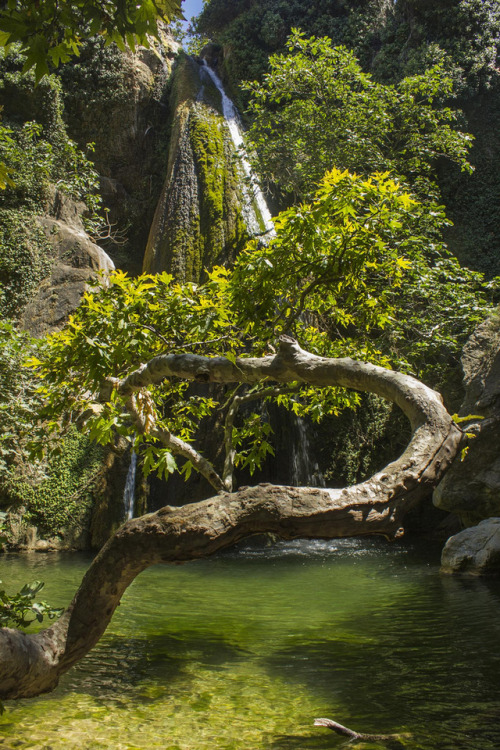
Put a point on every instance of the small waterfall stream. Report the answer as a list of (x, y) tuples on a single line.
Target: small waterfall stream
[(129, 491), (305, 470), (256, 196)]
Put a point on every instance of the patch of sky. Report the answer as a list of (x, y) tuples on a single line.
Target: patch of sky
[(190, 8)]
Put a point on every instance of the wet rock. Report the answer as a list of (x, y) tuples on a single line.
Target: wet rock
[(198, 221), (475, 550)]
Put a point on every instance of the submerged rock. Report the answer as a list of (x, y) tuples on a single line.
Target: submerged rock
[(475, 550)]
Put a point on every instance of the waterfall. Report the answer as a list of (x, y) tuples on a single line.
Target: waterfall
[(305, 471), (256, 196), (129, 491)]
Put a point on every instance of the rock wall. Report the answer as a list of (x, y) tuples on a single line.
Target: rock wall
[(471, 488), (74, 262), (119, 102), (198, 221)]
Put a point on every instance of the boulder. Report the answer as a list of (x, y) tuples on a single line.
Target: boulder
[(471, 487), (475, 550), (76, 260)]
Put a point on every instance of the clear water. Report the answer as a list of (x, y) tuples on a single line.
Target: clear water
[(244, 650)]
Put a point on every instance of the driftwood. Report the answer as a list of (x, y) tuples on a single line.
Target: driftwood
[(32, 664), (346, 732)]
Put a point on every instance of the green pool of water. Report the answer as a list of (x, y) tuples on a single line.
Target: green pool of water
[(244, 650)]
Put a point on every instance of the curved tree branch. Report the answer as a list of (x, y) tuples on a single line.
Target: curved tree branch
[(177, 446), (32, 664)]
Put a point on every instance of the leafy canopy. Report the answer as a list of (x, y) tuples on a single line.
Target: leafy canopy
[(52, 31), (332, 277), (316, 109)]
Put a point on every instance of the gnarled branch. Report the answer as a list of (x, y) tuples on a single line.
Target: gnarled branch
[(32, 664)]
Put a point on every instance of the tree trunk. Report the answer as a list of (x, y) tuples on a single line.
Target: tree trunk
[(32, 664)]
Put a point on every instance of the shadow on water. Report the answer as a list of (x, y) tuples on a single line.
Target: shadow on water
[(427, 662)]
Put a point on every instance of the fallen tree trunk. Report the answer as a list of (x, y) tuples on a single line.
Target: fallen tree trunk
[(32, 664)]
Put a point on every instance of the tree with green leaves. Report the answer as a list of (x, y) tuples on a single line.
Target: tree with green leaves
[(52, 31), (332, 278), (283, 326), (316, 109)]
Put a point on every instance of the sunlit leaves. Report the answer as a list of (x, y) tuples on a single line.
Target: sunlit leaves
[(333, 265), (316, 109), (53, 30), (333, 277)]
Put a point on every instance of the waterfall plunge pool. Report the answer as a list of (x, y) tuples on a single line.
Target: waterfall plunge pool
[(244, 650)]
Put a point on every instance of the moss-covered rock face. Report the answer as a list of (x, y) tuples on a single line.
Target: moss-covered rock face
[(119, 102), (471, 488), (198, 220)]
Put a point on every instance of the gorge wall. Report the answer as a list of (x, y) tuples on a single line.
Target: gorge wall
[(176, 195), (178, 200)]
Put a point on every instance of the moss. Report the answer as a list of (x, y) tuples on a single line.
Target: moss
[(24, 101), (24, 260), (356, 444), (60, 503), (119, 102), (198, 221)]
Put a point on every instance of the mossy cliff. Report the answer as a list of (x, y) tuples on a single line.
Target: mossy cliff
[(47, 257), (119, 102), (198, 220)]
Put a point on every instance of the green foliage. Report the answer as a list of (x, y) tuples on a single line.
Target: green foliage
[(35, 148), (316, 109), (53, 33), (20, 610), (336, 261), (463, 35), (58, 497), (252, 438), (336, 276), (57, 494), (392, 39), (353, 445), (24, 260), (252, 31), (19, 400), (439, 304)]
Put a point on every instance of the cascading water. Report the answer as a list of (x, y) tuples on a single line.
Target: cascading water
[(129, 491), (257, 214), (305, 470)]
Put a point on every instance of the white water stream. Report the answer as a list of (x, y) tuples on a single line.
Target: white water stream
[(129, 491), (305, 470), (258, 215)]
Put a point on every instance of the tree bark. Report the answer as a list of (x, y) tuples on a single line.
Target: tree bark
[(32, 664)]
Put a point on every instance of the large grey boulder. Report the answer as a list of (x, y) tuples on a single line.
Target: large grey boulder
[(475, 550), (75, 263), (471, 488)]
